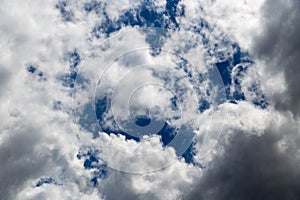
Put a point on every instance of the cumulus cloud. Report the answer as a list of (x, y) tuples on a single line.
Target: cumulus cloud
[(241, 148)]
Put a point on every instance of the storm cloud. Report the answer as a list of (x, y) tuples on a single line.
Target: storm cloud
[(253, 167), (278, 44)]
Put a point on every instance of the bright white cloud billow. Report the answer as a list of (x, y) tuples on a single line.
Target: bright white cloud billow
[(76, 76)]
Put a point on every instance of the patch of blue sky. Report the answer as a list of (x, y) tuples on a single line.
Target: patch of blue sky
[(188, 155), (72, 60), (66, 14), (260, 99), (227, 58), (91, 161), (34, 70), (95, 6), (143, 16), (88, 119), (47, 180), (102, 107)]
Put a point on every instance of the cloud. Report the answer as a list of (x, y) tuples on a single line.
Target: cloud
[(253, 166), (258, 155), (32, 132), (48, 192), (27, 153), (278, 46), (38, 134), (237, 19), (168, 183)]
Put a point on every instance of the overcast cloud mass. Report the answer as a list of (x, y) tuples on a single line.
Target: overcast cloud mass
[(150, 100)]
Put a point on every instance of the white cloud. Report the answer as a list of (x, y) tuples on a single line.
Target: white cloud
[(238, 19), (49, 191)]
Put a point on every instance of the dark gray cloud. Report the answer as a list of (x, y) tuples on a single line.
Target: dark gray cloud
[(253, 168), (24, 157), (4, 79), (279, 45), (125, 191)]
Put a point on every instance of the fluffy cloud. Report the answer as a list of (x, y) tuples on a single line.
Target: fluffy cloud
[(32, 132), (238, 19)]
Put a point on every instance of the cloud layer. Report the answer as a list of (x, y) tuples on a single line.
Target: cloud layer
[(50, 49)]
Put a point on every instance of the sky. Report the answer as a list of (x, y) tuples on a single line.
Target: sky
[(149, 100)]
